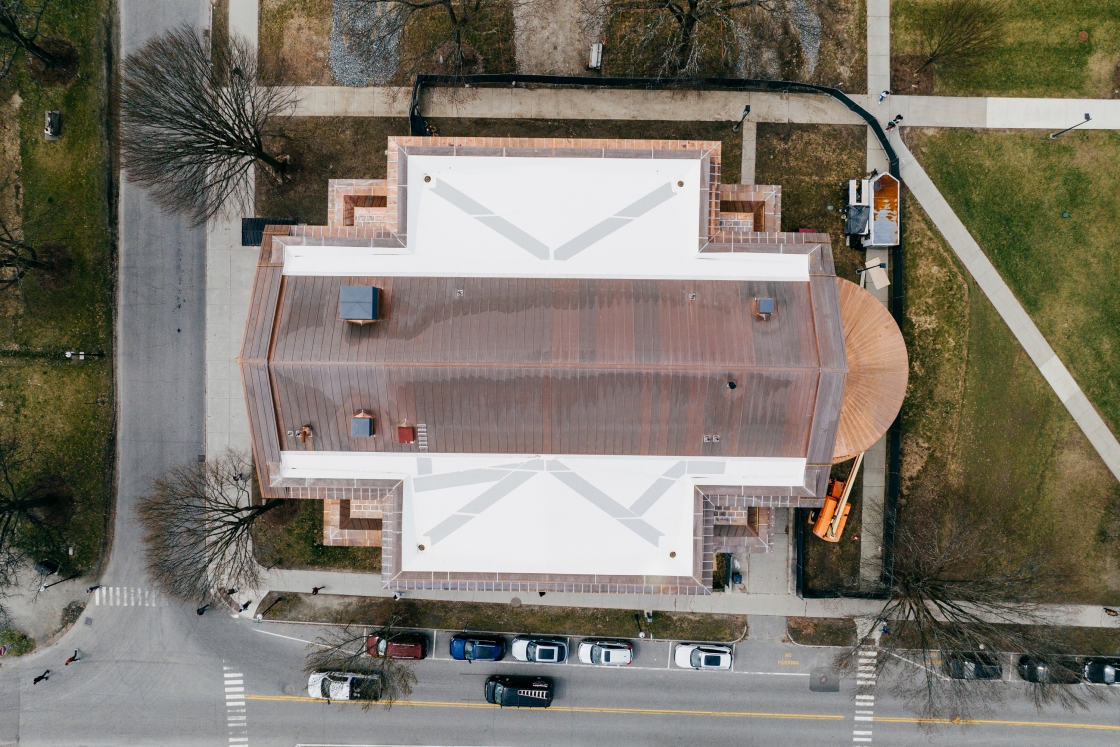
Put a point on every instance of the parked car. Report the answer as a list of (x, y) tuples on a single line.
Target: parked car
[(973, 665), (539, 650), (1101, 671), (702, 656), (605, 653), (519, 691), (398, 646), (344, 686), (467, 647), (1054, 671)]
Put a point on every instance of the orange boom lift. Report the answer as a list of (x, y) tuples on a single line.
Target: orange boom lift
[(834, 514)]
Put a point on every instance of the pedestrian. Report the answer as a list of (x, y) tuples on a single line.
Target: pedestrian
[(883, 95), (397, 596), (91, 589), (73, 658), (232, 591), (44, 676), (897, 119), (202, 610), (316, 589), (891, 126), (246, 605)]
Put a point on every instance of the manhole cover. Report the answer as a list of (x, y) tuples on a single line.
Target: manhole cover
[(289, 689), (824, 681)]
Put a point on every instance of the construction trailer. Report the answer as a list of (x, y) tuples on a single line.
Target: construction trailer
[(873, 210)]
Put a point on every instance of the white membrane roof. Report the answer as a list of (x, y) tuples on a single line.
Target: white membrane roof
[(481, 216), (559, 514)]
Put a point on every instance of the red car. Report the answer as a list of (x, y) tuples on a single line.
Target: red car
[(399, 646)]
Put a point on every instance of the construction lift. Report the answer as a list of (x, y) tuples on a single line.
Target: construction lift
[(834, 514)]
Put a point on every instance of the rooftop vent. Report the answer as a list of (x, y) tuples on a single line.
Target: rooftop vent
[(361, 425), (358, 304), (766, 307)]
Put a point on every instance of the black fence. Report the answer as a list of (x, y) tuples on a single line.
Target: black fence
[(419, 127)]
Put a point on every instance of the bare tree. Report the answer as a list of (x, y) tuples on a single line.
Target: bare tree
[(677, 38), (198, 524), (19, 32), (957, 33), (26, 503), (963, 596), (343, 649), (191, 132), (448, 30)]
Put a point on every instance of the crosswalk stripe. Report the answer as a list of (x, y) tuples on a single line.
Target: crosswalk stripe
[(127, 596)]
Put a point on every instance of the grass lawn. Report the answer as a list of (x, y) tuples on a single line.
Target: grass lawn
[(295, 35), (325, 148), (979, 415), (769, 50), (295, 541), (502, 618), (1041, 54), (67, 410), (813, 163), (821, 631)]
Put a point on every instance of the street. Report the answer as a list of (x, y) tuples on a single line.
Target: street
[(160, 675)]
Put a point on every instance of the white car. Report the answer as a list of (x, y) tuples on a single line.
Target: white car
[(701, 656), (343, 686), (539, 650), (605, 653)]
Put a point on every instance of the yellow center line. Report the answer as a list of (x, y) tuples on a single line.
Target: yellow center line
[(576, 709), (995, 722)]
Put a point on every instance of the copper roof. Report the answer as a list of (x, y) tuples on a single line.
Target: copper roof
[(553, 365), (877, 371)]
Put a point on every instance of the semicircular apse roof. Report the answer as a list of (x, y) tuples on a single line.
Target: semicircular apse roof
[(877, 371)]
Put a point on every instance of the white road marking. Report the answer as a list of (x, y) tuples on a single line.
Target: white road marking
[(127, 596), (235, 704), (864, 700)]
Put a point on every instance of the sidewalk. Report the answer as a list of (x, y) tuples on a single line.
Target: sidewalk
[(575, 103), (1009, 308), (782, 605)]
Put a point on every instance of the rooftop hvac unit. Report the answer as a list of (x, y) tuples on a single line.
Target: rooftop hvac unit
[(359, 304)]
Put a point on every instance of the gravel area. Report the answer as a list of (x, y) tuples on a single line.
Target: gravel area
[(360, 55)]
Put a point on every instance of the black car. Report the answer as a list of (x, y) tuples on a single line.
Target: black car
[(973, 665), (512, 691), (1057, 671), (1102, 671)]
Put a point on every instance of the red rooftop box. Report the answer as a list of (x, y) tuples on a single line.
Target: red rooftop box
[(406, 434)]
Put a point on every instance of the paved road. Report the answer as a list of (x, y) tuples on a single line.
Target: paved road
[(167, 684)]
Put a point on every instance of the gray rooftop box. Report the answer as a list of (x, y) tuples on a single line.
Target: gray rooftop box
[(358, 303)]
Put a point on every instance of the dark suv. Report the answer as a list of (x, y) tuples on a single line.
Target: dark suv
[(512, 691)]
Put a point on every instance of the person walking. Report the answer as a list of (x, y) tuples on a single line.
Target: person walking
[(890, 126), (246, 605), (883, 95), (44, 676), (897, 119), (202, 610), (73, 658), (316, 589), (91, 589)]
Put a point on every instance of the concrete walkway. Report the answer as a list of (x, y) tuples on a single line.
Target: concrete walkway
[(574, 103), (1009, 308), (369, 585)]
